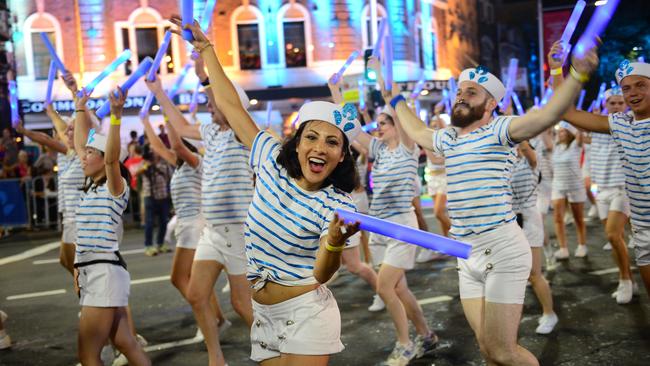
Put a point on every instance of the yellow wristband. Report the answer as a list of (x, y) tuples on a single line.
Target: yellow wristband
[(115, 121), (333, 249), (557, 71), (583, 78)]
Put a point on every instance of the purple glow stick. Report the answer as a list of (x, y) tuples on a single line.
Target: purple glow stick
[(122, 58), (453, 87), (591, 106), (418, 88), (269, 110), (520, 109), (206, 17), (510, 84), (142, 69), (146, 105), (179, 81), (407, 234), (640, 59), (187, 18), (570, 28), (537, 101), (388, 58), (13, 103), (547, 96), (596, 26), (50, 82), (194, 102), (581, 99), (601, 95), (362, 95), (162, 51), (447, 100), (380, 38), (336, 77), (53, 54), (369, 127)]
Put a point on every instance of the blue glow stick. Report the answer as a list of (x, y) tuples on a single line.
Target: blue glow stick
[(162, 51), (50, 82), (369, 127), (547, 96), (510, 84), (640, 59), (601, 95), (570, 28), (122, 58), (380, 37), (187, 18), (596, 26), (407, 234), (418, 88), (194, 102), (591, 106), (142, 69), (53, 54), (362, 95), (13, 103), (520, 109), (179, 81), (206, 17), (337, 76), (269, 110), (388, 58), (453, 87), (447, 100), (581, 99), (146, 105), (536, 101)]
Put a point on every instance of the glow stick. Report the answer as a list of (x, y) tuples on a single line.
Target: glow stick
[(537, 101), (122, 58), (52, 51), (142, 69), (520, 109), (362, 95), (407, 234), (206, 17), (187, 15), (453, 87), (446, 100), (388, 58), (581, 99), (418, 88), (640, 59), (510, 84), (591, 106), (547, 96), (369, 127), (380, 38), (269, 110), (162, 51), (596, 26), (13, 103), (570, 28), (146, 105), (194, 102), (336, 77), (601, 95), (50, 82), (179, 81)]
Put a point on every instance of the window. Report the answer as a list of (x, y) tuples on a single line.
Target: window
[(419, 43), (247, 29), (294, 29), (366, 28), (36, 54)]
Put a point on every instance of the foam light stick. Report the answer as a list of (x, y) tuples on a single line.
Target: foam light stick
[(453, 87), (520, 109), (187, 18), (162, 51), (269, 110), (380, 38), (52, 51), (640, 59), (407, 234), (596, 26), (581, 99), (13, 103), (510, 84), (142, 69), (206, 17), (122, 58), (369, 127), (536, 100), (418, 88), (194, 102), (362, 95), (601, 95), (50, 82), (591, 106), (337, 76), (146, 105), (570, 28), (447, 100), (179, 81), (547, 96), (388, 58)]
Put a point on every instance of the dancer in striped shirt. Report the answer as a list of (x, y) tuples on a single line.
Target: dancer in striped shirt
[(630, 131), (478, 159)]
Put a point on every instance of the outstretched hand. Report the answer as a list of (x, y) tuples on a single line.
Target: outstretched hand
[(339, 231), (117, 102), (587, 63), (200, 39)]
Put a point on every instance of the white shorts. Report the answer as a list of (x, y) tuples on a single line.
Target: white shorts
[(103, 285), (578, 195), (498, 267), (533, 227), (223, 244), (397, 253), (543, 197), (69, 232), (309, 324), (360, 200), (188, 232), (612, 199), (641, 241), (170, 238), (437, 184)]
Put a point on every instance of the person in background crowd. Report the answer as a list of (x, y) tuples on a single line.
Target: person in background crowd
[(163, 136), (9, 146), (155, 173)]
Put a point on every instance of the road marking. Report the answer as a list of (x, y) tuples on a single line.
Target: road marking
[(608, 271), (168, 345), (433, 300), (56, 260), (150, 279), (30, 253), (37, 294)]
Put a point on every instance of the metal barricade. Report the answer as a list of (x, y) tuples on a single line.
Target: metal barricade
[(41, 202)]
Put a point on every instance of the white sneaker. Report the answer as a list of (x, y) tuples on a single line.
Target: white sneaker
[(120, 358), (3, 316), (607, 246), (635, 289), (108, 355), (199, 335), (593, 212), (546, 324), (377, 304), (5, 340), (562, 253), (568, 218), (401, 355), (581, 251), (625, 292), (226, 288)]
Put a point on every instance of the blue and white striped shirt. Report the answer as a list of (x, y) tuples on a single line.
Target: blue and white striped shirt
[(99, 219), (606, 166), (394, 177), (479, 166), (227, 184), (567, 174), (285, 223), (524, 185), (185, 187), (61, 162), (70, 184), (634, 139)]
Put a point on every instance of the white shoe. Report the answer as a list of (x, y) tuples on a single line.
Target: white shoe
[(199, 335), (593, 212), (120, 358), (224, 327), (5, 340), (426, 255), (607, 246), (377, 304), (401, 355), (568, 218), (581, 251), (562, 253), (546, 324), (3, 316), (108, 355), (226, 288), (625, 292)]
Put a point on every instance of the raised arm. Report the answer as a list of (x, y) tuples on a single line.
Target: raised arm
[(81, 126), (536, 121), (362, 141), (528, 153), (114, 180), (328, 257), (179, 147), (43, 139), (57, 121), (172, 112), (156, 143), (227, 99), (199, 68)]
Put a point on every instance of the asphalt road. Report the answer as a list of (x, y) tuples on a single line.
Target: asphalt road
[(593, 329)]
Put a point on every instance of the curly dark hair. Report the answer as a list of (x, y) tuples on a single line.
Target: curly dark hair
[(344, 177)]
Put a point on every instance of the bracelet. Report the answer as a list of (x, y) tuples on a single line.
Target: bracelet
[(206, 82), (583, 78), (79, 110), (115, 121), (204, 47), (334, 249), (557, 71), (395, 101)]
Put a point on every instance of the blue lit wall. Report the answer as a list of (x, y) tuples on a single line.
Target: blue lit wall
[(270, 9)]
